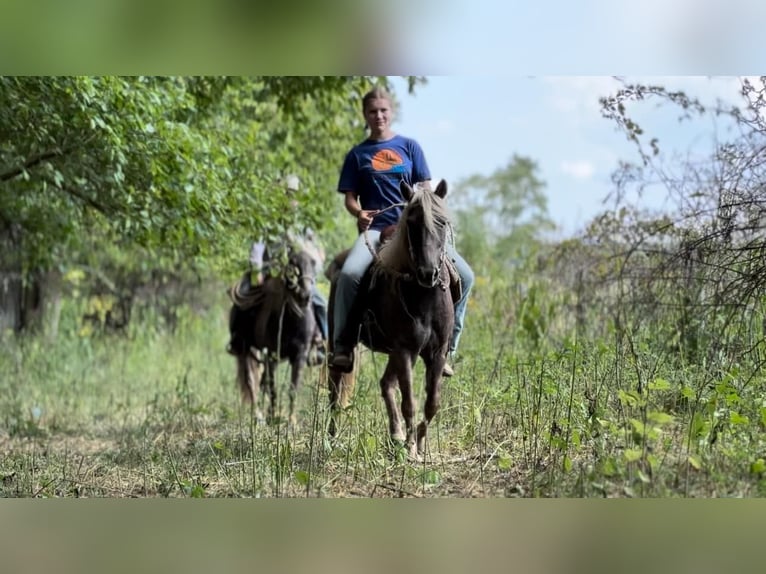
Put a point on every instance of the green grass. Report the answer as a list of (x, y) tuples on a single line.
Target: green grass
[(158, 414)]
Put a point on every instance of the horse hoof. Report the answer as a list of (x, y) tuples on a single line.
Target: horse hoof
[(415, 458), (414, 454)]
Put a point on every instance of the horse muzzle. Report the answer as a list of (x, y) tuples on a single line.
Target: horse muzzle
[(427, 276)]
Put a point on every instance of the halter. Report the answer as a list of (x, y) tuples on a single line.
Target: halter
[(407, 276), (376, 257), (442, 256)]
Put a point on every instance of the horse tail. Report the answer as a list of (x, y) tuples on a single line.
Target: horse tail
[(248, 377), (341, 385), (348, 383)]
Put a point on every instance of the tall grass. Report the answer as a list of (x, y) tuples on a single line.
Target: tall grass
[(539, 407)]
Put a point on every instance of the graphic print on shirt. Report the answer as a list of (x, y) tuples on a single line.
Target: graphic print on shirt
[(387, 160)]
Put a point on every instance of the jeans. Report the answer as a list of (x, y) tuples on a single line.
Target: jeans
[(357, 262), (466, 283), (320, 311)]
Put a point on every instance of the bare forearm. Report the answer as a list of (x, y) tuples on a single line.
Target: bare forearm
[(352, 205), (363, 216)]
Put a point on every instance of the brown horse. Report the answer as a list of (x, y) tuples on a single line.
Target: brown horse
[(405, 307), (276, 322)]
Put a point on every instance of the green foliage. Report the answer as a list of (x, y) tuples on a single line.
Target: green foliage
[(192, 166), (503, 217), (608, 366), (129, 178), (530, 412)]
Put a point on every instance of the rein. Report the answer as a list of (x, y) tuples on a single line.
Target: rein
[(375, 256), (407, 276)]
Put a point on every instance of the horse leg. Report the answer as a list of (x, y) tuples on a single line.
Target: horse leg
[(257, 372), (297, 365), (388, 384), (405, 364), (334, 382), (434, 370), (269, 387)]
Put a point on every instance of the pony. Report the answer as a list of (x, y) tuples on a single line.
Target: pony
[(405, 307), (276, 322)]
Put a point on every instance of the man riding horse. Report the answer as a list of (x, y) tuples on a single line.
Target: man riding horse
[(266, 260)]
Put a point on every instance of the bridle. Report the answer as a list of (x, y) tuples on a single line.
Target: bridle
[(442, 256), (293, 277), (400, 275)]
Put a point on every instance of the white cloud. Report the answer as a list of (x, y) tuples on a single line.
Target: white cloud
[(580, 169)]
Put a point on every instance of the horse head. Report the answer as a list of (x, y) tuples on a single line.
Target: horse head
[(300, 276), (425, 224)]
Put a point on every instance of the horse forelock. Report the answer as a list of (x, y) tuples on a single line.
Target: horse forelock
[(434, 211), (395, 253)]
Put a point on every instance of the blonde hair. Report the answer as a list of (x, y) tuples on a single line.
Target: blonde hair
[(376, 93)]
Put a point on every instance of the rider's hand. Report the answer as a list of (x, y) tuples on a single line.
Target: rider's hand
[(364, 219)]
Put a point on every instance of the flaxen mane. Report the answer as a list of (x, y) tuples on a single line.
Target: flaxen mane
[(407, 312), (394, 255)]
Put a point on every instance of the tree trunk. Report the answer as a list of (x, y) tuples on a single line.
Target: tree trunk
[(33, 305), (11, 284), (41, 304)]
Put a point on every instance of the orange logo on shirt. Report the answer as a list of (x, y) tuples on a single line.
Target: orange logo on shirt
[(387, 160)]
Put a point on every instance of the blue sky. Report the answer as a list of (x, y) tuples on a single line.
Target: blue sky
[(475, 124), (583, 36)]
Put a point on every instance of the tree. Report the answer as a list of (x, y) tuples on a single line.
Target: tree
[(186, 168), (692, 268), (503, 216)]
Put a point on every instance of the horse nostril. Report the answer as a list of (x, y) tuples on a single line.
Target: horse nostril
[(427, 277)]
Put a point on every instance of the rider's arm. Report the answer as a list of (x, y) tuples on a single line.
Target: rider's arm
[(257, 256), (352, 204), (363, 216)]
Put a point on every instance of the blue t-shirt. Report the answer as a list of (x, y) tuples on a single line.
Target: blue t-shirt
[(374, 169)]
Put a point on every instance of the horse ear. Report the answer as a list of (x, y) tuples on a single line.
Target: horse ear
[(407, 191), (441, 189)]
